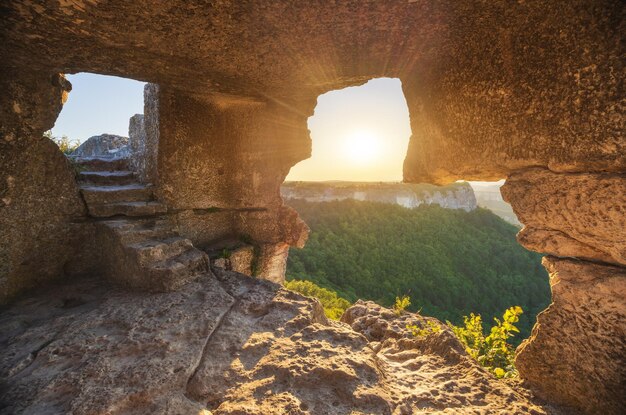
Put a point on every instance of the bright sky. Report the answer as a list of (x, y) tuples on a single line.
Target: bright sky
[(99, 104), (359, 133)]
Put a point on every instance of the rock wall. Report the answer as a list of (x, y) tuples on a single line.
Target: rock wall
[(538, 81), (230, 158), (576, 353), (143, 132), (39, 200), (580, 215)]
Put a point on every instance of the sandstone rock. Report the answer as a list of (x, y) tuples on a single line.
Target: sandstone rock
[(143, 133), (242, 259), (578, 215), (318, 368), (40, 207), (491, 87), (221, 263), (576, 355), (89, 348), (501, 120), (229, 345), (137, 144), (272, 262), (104, 145)]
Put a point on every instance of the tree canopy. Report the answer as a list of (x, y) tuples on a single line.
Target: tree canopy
[(450, 262)]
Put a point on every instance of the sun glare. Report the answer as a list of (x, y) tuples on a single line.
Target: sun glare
[(362, 146)]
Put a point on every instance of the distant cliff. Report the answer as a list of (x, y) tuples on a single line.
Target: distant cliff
[(454, 196), (489, 197)]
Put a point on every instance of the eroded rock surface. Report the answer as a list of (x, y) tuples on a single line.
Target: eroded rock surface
[(576, 354), (40, 206), (231, 344), (579, 215), (88, 348)]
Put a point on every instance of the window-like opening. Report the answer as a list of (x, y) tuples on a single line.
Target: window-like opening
[(359, 134), (375, 238), (97, 105)]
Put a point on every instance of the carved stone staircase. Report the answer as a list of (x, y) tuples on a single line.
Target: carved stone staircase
[(139, 246)]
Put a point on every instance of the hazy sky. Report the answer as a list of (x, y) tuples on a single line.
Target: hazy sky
[(358, 133)]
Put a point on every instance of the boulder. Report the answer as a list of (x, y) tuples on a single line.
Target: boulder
[(105, 146)]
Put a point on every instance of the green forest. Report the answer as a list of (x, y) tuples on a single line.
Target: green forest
[(449, 262)]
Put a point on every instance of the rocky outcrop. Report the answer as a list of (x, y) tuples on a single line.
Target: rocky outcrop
[(475, 74), (231, 344), (579, 215), (576, 353), (454, 196), (103, 145), (41, 236)]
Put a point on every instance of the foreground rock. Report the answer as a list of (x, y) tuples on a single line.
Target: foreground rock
[(231, 344)]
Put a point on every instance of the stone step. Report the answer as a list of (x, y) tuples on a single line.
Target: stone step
[(176, 271), (126, 209), (132, 231), (160, 250), (118, 178), (112, 194), (103, 164)]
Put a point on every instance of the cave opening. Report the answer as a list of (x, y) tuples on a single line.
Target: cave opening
[(97, 105), (451, 249)]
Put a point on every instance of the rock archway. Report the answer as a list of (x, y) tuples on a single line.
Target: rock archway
[(528, 90)]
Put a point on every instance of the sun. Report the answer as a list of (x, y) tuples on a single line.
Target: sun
[(362, 146)]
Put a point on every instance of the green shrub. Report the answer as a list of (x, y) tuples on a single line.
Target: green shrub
[(401, 304), (66, 145), (493, 351), (334, 306), (429, 328)]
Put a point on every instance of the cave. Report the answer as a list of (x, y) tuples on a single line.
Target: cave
[(528, 91)]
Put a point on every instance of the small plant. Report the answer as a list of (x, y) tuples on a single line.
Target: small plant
[(334, 306), (225, 253), (66, 145), (429, 328), (401, 304), (492, 351)]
